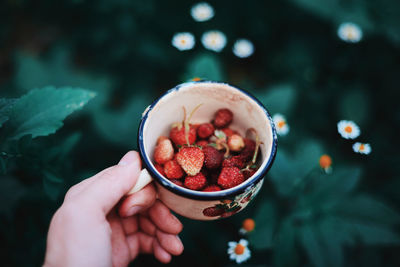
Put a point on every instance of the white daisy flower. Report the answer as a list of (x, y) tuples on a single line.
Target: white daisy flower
[(362, 148), (243, 48), (183, 41), (282, 128), (350, 32), (238, 251), (214, 40), (348, 129), (202, 12)]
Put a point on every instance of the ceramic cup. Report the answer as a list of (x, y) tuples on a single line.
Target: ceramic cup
[(248, 113)]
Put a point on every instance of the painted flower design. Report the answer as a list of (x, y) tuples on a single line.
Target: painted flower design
[(213, 40), (183, 41), (239, 251), (243, 48), (362, 148), (282, 128), (248, 226), (350, 32), (348, 129), (202, 12)]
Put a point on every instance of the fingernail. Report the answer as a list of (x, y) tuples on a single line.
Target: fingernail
[(179, 239), (133, 210), (128, 158)]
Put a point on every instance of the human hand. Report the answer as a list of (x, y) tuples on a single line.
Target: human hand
[(90, 230)]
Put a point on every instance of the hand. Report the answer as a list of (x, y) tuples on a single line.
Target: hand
[(89, 230)]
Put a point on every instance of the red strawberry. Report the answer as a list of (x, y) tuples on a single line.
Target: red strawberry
[(212, 188), (164, 150), (235, 142), (228, 131), (248, 173), (205, 130), (213, 211), (230, 177), (223, 117), (212, 157), (191, 159), (202, 143), (230, 213), (248, 150), (177, 135), (173, 170), (177, 182), (235, 161), (160, 169), (196, 182)]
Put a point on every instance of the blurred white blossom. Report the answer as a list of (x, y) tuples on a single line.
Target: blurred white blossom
[(350, 32), (202, 12), (183, 41), (282, 128), (362, 148), (214, 40), (348, 129), (238, 251), (243, 48)]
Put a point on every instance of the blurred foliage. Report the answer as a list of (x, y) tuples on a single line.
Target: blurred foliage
[(55, 56)]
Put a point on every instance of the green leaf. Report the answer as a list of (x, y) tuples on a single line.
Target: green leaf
[(41, 111), (332, 240), (52, 185), (262, 236), (285, 251), (376, 235), (12, 191), (289, 171), (5, 107), (366, 208), (205, 66), (279, 98), (310, 241)]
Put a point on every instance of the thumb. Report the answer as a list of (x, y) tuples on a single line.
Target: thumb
[(112, 184)]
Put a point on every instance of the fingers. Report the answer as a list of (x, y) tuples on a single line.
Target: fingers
[(138, 201), (147, 226), (171, 243), (163, 219), (108, 188), (160, 253), (130, 225)]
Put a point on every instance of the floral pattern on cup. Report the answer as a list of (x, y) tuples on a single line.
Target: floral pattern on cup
[(230, 206)]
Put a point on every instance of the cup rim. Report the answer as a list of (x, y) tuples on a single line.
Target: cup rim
[(199, 195)]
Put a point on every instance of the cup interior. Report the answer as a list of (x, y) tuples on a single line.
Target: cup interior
[(248, 113)]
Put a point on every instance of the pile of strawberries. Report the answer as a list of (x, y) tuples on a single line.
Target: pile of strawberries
[(206, 157)]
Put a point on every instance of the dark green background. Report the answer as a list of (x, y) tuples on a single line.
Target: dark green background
[(122, 50)]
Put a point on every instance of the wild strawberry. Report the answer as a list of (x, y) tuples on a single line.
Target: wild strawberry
[(235, 161), (164, 150), (230, 213), (177, 135), (228, 131), (205, 130), (212, 188), (191, 159), (248, 150), (160, 169), (213, 211), (247, 173), (235, 142), (202, 143), (212, 157), (213, 177), (223, 117), (177, 182), (173, 170), (230, 177), (196, 182)]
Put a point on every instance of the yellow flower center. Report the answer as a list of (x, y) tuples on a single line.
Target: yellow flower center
[(348, 129), (183, 41), (239, 249), (196, 79), (362, 147), (281, 124), (325, 161), (248, 225)]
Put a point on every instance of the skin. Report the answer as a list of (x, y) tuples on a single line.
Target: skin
[(97, 225)]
